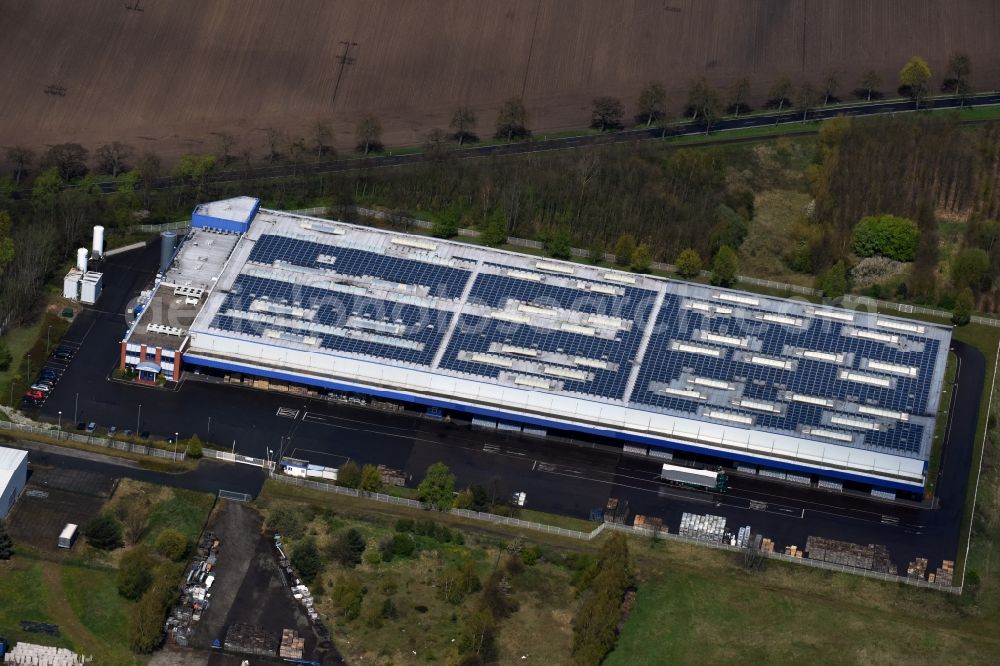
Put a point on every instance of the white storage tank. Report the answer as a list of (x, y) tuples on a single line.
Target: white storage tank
[(98, 244), (71, 285), (81, 260)]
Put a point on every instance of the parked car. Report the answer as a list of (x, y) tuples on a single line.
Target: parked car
[(37, 395), (91, 427), (44, 388), (81, 425), (127, 432), (29, 402), (112, 430), (62, 354), (144, 434)]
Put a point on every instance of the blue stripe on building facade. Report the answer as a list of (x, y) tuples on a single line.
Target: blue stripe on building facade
[(559, 425)]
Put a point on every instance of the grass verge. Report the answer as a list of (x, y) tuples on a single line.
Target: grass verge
[(944, 413)]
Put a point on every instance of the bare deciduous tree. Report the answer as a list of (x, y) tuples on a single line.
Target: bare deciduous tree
[(369, 134), (322, 138), (607, 113), (111, 157), (464, 124), (652, 103), (780, 92), (512, 119), (273, 138), (21, 158), (226, 144), (738, 95), (831, 83), (870, 83)]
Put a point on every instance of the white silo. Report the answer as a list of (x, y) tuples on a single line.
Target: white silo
[(81, 260), (98, 245)]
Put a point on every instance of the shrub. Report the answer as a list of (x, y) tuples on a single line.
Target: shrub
[(398, 545), (194, 447), (349, 475), (531, 554), (888, 236), (446, 223), (348, 547), (348, 593), (172, 544), (963, 308), (404, 525), (624, 249), (285, 520), (104, 532), (970, 268), (833, 282), (6, 543), (306, 560), (6, 358), (642, 259), (135, 573), (145, 627), (371, 479)]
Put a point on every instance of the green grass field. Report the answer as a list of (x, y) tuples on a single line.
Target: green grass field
[(185, 510), (83, 601)]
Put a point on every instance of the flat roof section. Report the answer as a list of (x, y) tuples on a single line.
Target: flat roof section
[(330, 300)]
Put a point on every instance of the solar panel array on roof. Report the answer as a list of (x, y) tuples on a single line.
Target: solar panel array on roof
[(715, 356)]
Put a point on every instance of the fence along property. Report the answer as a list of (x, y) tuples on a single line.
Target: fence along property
[(94, 440), (601, 528)]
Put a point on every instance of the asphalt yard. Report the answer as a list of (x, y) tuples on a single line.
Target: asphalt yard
[(557, 477)]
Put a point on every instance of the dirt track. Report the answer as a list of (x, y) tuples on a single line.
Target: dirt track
[(171, 76)]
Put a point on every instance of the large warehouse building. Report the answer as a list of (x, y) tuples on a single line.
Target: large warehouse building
[(785, 388), (13, 477)]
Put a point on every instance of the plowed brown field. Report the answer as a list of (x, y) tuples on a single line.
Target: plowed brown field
[(169, 76)]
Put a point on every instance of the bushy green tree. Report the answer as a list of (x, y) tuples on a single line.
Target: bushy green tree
[(6, 543), (145, 627), (688, 263), (398, 545), (285, 520), (306, 560), (833, 282), (494, 229), (730, 229), (103, 532), (624, 249), (915, 77), (446, 223), (725, 267), (371, 479), (135, 572), (970, 268), (963, 307), (438, 487), (642, 259), (172, 544), (887, 236), (558, 244), (349, 475)]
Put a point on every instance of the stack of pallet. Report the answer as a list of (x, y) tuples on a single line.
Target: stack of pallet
[(767, 545), (616, 511), (873, 557), (793, 551), (391, 477), (703, 528), (917, 568), (648, 522), (251, 639), (292, 645), (945, 575)]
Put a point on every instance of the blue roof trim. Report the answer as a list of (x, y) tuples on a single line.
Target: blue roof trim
[(510, 416)]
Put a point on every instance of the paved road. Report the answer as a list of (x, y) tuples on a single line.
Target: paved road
[(789, 117), (557, 477)]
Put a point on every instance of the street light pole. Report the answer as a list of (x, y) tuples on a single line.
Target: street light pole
[(209, 425), (138, 419), (47, 332), (175, 446), (60, 426), (76, 406)]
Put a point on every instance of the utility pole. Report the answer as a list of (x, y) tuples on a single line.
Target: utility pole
[(344, 59)]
